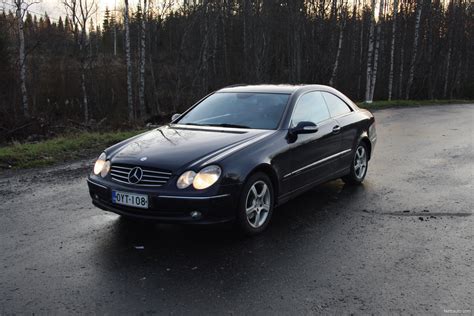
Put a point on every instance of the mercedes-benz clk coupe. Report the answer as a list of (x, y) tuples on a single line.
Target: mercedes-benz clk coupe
[(235, 155)]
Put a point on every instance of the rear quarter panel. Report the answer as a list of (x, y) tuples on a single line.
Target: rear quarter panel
[(354, 127)]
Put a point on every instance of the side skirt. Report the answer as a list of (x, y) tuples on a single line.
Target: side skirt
[(290, 195)]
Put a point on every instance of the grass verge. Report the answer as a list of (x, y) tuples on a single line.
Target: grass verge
[(84, 145), (59, 149), (408, 103)]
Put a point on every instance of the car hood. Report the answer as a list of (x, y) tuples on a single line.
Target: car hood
[(177, 147)]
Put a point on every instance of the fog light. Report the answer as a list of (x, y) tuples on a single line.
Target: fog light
[(195, 215)]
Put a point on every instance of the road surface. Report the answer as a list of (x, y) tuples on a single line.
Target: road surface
[(401, 243)]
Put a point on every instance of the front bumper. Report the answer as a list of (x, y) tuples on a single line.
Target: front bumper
[(170, 208)]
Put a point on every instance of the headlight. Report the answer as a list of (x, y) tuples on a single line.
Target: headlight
[(206, 177), (102, 166), (185, 179), (201, 180), (105, 169)]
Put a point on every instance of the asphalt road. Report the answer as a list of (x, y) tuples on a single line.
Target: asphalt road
[(401, 243)]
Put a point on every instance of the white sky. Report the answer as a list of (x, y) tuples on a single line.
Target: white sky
[(55, 8)]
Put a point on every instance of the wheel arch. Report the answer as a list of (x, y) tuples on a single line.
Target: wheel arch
[(271, 173), (365, 139)]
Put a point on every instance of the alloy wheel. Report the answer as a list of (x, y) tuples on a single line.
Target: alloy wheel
[(360, 162), (257, 204)]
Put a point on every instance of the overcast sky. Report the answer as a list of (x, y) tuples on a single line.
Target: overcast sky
[(55, 8)]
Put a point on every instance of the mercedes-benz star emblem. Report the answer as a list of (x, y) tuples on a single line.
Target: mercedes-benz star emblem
[(135, 175)]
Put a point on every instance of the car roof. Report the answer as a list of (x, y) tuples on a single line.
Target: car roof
[(272, 88)]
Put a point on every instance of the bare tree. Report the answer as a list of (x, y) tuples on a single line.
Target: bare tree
[(411, 70), (342, 23), (392, 48), (403, 30), (378, 40), (21, 7), (446, 74), (370, 53), (80, 12), (129, 63), (141, 87)]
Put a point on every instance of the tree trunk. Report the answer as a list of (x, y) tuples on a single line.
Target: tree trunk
[(224, 45), (245, 39), (361, 55), (155, 89), (22, 59), (141, 88), (82, 50), (115, 38), (446, 74), (402, 59), (338, 53), (411, 71), (129, 63), (378, 39), (370, 52), (84, 94), (392, 49)]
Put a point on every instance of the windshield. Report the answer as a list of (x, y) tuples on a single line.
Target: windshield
[(244, 110)]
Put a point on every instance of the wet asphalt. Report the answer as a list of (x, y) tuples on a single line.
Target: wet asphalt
[(401, 243)]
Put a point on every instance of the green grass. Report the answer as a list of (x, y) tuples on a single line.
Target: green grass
[(408, 103), (59, 149)]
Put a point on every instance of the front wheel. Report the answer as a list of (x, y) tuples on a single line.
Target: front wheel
[(256, 204), (359, 166)]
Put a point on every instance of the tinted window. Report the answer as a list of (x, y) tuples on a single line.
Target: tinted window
[(310, 107), (336, 106), (247, 110)]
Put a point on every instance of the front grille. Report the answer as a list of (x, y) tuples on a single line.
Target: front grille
[(152, 177)]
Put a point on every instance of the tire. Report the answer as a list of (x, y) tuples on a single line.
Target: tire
[(359, 165), (256, 204)]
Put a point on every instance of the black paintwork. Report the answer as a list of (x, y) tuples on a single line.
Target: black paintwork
[(239, 152)]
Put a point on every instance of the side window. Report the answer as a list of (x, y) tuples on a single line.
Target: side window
[(336, 106), (310, 107)]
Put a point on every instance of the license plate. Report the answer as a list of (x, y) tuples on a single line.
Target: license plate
[(130, 199)]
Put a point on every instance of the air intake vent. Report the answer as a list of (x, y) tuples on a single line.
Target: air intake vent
[(143, 176)]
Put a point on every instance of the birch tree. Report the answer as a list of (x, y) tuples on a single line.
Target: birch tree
[(126, 21), (392, 48), (342, 23), (80, 13), (21, 7), (370, 53), (141, 88), (411, 69), (403, 28), (378, 40)]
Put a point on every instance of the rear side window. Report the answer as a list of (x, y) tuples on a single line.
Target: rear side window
[(310, 107), (336, 106)]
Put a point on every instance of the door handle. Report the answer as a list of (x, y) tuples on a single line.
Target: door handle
[(336, 129)]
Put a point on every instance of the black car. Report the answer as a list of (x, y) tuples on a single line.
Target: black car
[(235, 155)]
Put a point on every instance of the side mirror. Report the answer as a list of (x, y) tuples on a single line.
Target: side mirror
[(304, 127), (175, 116)]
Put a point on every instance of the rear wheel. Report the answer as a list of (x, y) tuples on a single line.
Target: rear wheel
[(359, 165), (256, 204)]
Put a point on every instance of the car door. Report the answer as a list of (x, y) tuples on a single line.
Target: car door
[(348, 125), (312, 154)]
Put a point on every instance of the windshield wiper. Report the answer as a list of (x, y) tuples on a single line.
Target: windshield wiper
[(196, 124), (228, 125)]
